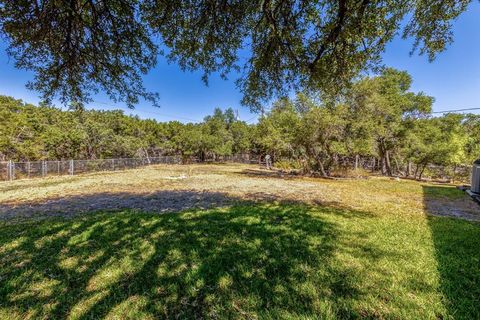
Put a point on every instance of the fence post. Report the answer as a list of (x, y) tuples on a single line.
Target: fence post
[(11, 170), (43, 168), (71, 169)]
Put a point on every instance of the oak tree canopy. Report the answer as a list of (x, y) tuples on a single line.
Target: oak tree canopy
[(76, 48)]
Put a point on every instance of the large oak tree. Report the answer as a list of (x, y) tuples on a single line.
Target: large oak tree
[(78, 47)]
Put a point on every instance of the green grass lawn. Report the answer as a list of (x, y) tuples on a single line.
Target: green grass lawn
[(267, 261)]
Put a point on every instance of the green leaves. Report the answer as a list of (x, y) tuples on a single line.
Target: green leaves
[(378, 117), (77, 48)]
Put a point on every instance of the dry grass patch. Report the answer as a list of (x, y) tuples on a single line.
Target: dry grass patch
[(168, 188)]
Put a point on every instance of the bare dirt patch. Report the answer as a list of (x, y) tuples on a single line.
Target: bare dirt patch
[(454, 208)]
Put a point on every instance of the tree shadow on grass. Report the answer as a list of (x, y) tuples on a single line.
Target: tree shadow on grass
[(456, 243), (156, 202), (242, 261)]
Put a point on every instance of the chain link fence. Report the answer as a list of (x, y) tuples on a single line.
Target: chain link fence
[(10, 170)]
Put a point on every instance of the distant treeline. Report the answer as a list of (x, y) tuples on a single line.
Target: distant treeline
[(29, 132), (377, 120)]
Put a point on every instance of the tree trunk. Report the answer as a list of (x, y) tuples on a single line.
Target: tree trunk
[(387, 163), (146, 154), (356, 162), (397, 167), (421, 172), (383, 165), (322, 168), (409, 168)]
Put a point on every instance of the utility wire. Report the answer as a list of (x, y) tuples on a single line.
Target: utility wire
[(457, 110), (251, 119), (163, 114)]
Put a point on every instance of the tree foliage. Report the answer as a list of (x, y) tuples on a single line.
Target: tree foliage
[(380, 119), (28, 132), (76, 48)]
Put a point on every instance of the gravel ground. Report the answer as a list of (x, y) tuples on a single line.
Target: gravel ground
[(458, 208), (167, 188)]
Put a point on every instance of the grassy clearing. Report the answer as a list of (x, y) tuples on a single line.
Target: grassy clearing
[(177, 188), (379, 258), (265, 261)]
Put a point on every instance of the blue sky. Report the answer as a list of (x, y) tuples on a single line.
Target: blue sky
[(453, 79)]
